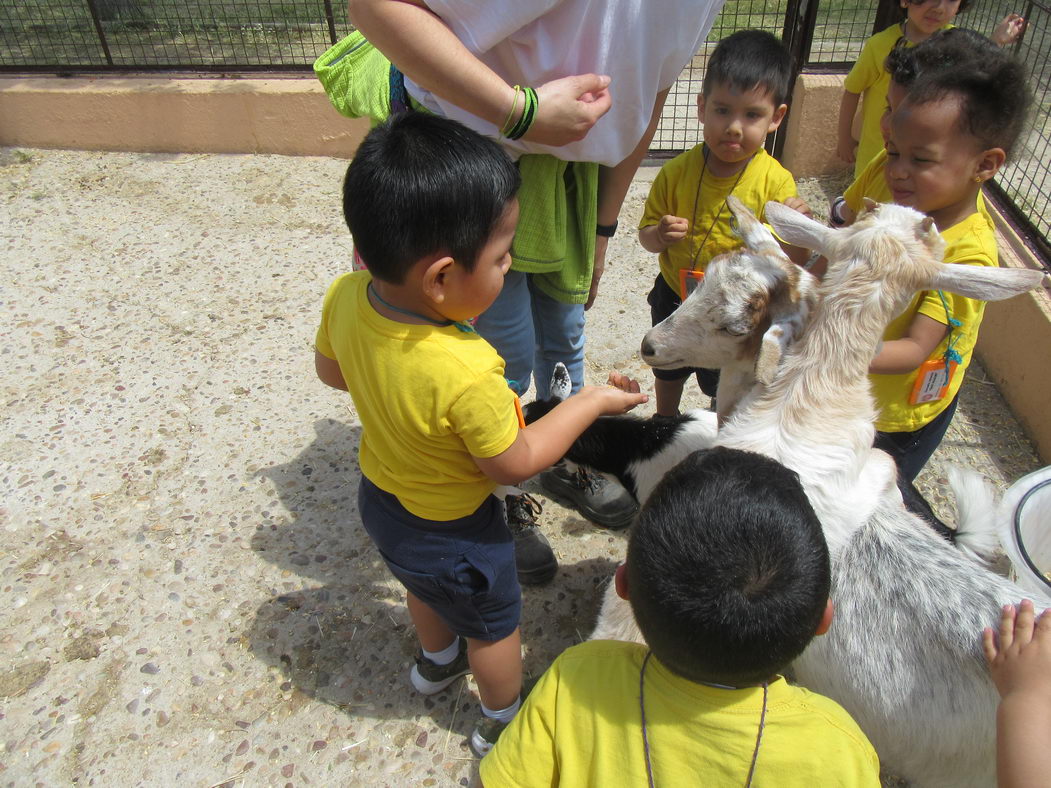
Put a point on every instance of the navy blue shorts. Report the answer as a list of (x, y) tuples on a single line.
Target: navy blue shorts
[(462, 569), (663, 301)]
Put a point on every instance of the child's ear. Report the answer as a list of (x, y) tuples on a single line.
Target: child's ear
[(989, 163), (779, 115), (436, 277), (826, 620), (700, 105), (620, 581)]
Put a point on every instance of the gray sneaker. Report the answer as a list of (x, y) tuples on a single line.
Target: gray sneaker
[(593, 495), (483, 737), (429, 678), (534, 558)]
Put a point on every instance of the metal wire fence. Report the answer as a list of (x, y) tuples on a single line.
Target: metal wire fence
[(201, 36)]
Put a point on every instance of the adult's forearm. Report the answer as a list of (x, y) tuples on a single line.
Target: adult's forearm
[(613, 182), (423, 47)]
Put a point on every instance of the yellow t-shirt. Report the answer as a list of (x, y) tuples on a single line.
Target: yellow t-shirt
[(674, 192), (870, 79), (581, 726), (970, 242), (872, 183), (429, 398)]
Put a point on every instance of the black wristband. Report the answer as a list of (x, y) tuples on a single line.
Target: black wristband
[(834, 215), (606, 230)]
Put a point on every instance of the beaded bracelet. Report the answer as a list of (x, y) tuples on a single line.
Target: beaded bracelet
[(528, 115), (511, 114)]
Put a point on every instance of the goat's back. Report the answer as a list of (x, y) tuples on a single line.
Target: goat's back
[(904, 654)]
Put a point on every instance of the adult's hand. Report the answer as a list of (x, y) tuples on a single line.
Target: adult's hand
[(567, 108)]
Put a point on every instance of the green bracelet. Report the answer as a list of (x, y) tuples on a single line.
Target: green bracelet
[(528, 115)]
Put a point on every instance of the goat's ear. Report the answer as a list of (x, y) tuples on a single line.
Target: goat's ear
[(983, 282), (752, 231), (799, 230)]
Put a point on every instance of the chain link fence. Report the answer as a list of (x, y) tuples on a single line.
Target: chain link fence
[(230, 36)]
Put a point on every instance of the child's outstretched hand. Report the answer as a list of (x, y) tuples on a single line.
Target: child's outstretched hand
[(799, 204), (1021, 661), (1009, 30), (611, 400), (623, 382), (672, 229)]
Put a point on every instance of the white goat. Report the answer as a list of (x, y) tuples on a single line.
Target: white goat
[(903, 656), (724, 324), (750, 307)]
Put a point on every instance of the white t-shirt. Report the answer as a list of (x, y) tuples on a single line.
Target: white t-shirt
[(643, 46)]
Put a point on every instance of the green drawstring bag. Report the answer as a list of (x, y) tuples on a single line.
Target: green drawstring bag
[(357, 78)]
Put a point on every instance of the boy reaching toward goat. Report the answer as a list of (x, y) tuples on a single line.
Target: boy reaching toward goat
[(728, 574), (432, 208)]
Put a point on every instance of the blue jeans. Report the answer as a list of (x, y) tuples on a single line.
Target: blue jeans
[(532, 332)]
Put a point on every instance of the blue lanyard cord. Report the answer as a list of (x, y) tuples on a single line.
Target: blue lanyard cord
[(464, 327), (951, 354)]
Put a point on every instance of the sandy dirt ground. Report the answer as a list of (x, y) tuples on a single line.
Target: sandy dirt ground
[(190, 597)]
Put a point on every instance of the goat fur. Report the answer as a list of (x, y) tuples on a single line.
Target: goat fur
[(903, 655)]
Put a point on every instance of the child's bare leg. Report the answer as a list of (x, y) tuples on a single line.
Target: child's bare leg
[(497, 668), (668, 394), (430, 629)]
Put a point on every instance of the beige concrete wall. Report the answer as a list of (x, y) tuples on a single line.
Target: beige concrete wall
[(810, 141), (287, 116), (1014, 345)]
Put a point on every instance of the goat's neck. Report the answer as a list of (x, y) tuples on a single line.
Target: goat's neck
[(821, 395)]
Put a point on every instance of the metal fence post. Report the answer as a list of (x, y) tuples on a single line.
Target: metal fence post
[(798, 33), (101, 33)]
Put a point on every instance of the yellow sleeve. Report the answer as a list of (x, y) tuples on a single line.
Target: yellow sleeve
[(657, 201), (484, 415), (866, 70), (970, 249), (321, 339)]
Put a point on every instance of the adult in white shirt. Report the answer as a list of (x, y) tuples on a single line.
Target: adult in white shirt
[(602, 70)]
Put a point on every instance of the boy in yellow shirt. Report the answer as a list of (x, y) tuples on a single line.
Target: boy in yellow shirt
[(728, 576), (958, 105), (431, 205), (685, 219)]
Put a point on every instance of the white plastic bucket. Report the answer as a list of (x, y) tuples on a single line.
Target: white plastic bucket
[(1024, 522)]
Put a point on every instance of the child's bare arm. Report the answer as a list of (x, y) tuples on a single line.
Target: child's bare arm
[(544, 442), (1020, 665), (328, 371), (848, 106), (899, 356), (658, 237), (1009, 30)]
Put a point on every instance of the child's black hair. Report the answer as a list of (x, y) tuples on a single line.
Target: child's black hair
[(993, 95), (905, 11), (749, 59), (421, 184), (952, 48), (728, 570)]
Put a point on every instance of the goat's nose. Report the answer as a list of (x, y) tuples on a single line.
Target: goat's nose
[(647, 348)]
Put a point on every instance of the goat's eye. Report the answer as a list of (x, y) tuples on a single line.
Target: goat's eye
[(733, 331)]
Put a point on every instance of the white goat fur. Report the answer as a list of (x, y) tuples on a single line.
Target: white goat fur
[(903, 655)]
